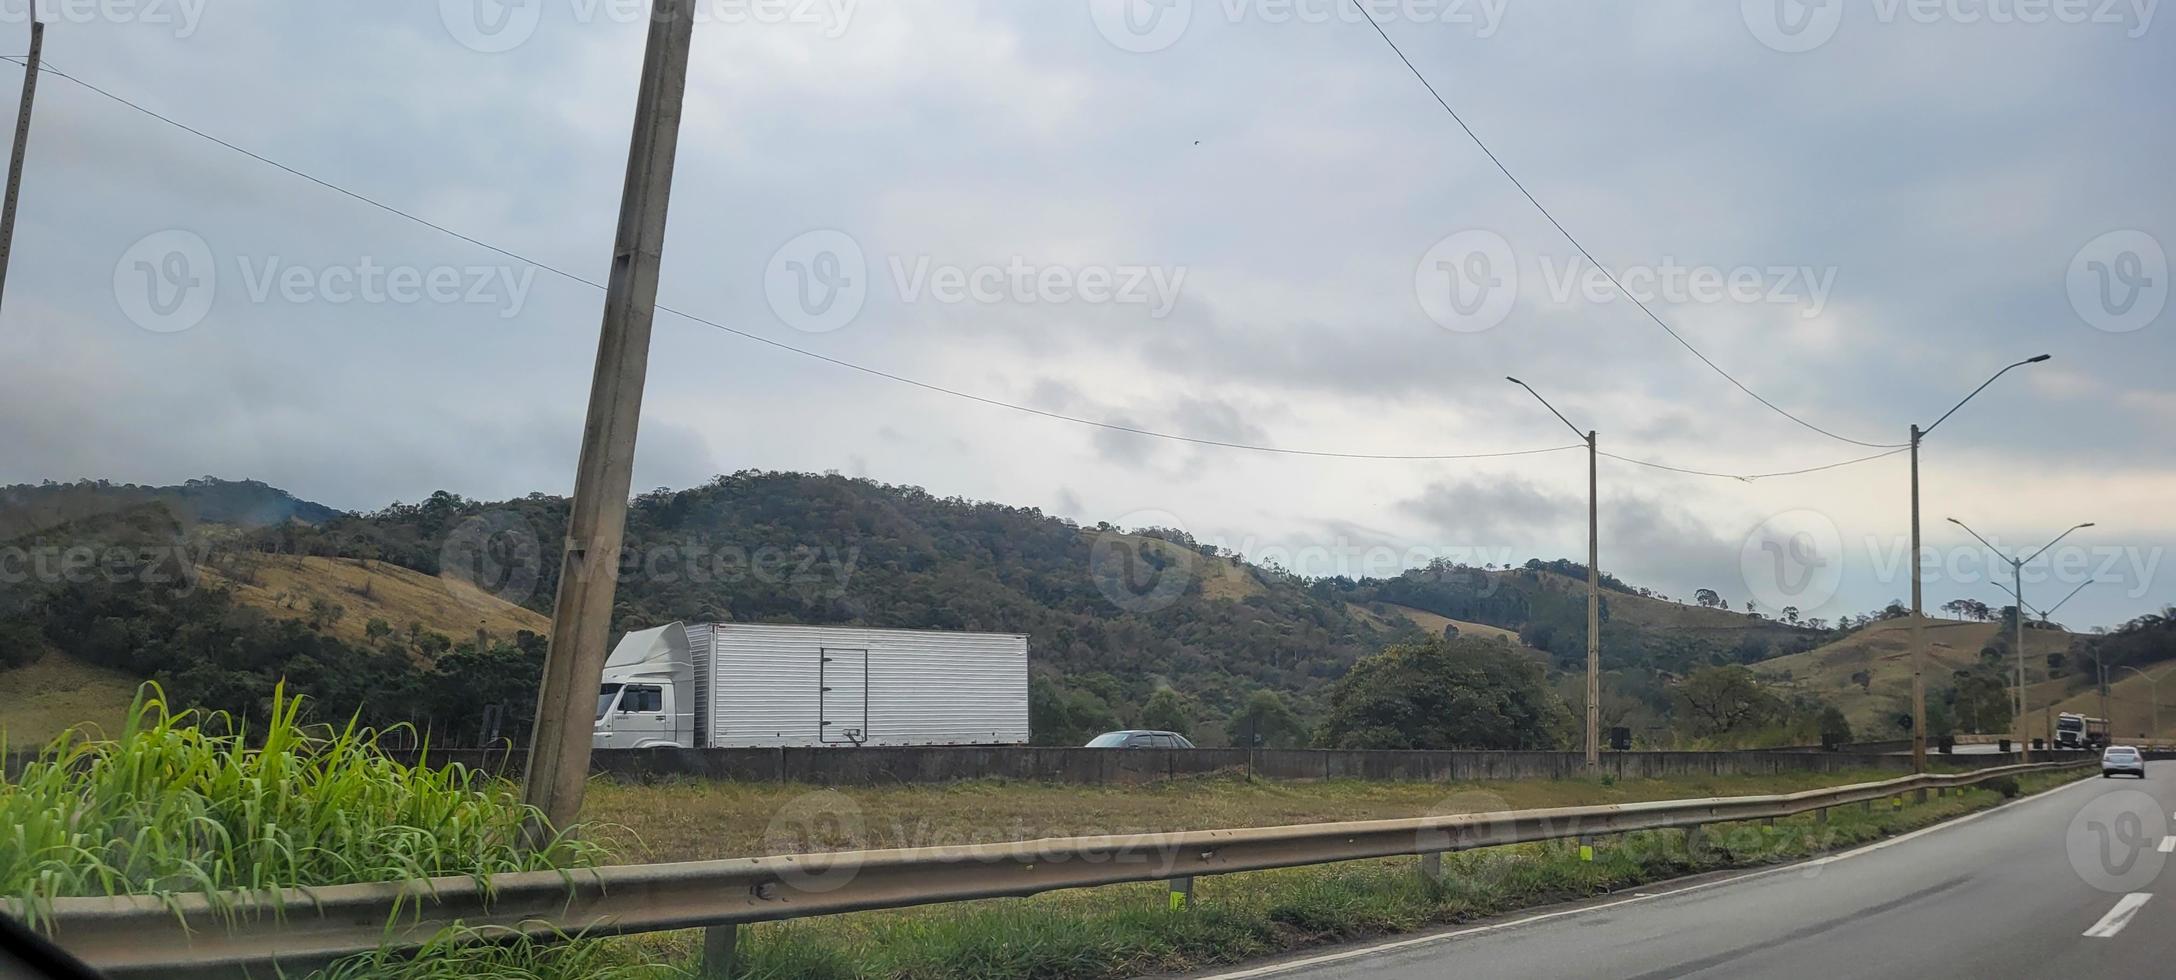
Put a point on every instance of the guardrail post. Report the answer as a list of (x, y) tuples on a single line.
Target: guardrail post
[(1182, 893), (1820, 816), (1431, 867), (1866, 805), (1695, 840), (718, 946), (1919, 796)]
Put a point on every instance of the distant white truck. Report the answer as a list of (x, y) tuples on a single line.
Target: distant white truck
[(732, 685)]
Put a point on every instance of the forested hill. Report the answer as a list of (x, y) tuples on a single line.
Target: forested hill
[(1113, 615), (29, 508), (1120, 613)]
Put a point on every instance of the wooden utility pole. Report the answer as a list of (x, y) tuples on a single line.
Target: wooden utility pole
[(558, 768), (22, 145)]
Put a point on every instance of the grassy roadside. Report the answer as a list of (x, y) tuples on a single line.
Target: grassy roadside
[(1129, 930), (689, 820)]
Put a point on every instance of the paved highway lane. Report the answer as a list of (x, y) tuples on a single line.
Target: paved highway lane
[(2075, 882)]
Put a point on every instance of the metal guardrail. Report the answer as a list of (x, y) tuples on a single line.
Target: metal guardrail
[(302, 928)]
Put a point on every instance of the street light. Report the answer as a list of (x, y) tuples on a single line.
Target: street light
[(1919, 615), (2017, 614), (1594, 586)]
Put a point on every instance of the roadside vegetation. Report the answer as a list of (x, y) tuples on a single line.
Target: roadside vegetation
[(688, 820), (1130, 930), (176, 804)]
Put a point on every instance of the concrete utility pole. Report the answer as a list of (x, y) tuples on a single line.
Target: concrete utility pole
[(22, 145), (1594, 609), (1919, 614), (558, 769), (2017, 573), (1594, 583), (1919, 629)]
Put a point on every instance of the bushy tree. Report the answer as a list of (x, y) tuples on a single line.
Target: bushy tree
[(1265, 720), (1166, 711), (1717, 701), (1445, 694)]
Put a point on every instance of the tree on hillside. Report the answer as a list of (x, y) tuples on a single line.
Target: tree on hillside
[(1265, 721), (1725, 700), (1707, 598), (1063, 715), (1790, 615), (1835, 728), (1445, 694), (1166, 711)]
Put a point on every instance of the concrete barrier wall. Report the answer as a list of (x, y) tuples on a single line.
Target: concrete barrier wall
[(881, 766), (1118, 767)]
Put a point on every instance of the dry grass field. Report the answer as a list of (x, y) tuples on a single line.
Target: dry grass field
[(686, 820), (46, 697), (284, 586)]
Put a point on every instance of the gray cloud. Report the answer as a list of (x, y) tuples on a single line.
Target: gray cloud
[(969, 134)]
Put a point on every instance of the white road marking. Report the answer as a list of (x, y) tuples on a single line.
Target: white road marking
[(1398, 944), (2167, 846), (2119, 916)]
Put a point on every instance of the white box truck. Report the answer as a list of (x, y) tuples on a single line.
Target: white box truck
[(731, 685)]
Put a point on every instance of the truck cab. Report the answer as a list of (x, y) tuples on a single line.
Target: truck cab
[(642, 703)]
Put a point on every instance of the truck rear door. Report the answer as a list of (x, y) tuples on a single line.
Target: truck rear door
[(843, 708)]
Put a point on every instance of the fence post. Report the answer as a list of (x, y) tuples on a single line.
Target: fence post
[(718, 946), (1182, 893)]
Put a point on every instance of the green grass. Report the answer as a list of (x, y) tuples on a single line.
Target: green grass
[(170, 806), (1125, 931)]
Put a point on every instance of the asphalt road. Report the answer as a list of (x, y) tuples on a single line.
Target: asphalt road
[(2076, 882)]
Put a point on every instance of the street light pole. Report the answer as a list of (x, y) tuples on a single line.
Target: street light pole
[(2017, 615), (1919, 633), (1594, 582)]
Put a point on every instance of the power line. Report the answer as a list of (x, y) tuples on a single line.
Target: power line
[(1750, 477), (1605, 270), (886, 375)]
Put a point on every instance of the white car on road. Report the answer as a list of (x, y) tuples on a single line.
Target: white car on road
[(2124, 759)]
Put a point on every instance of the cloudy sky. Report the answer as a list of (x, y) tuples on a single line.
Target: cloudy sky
[(1233, 220)]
